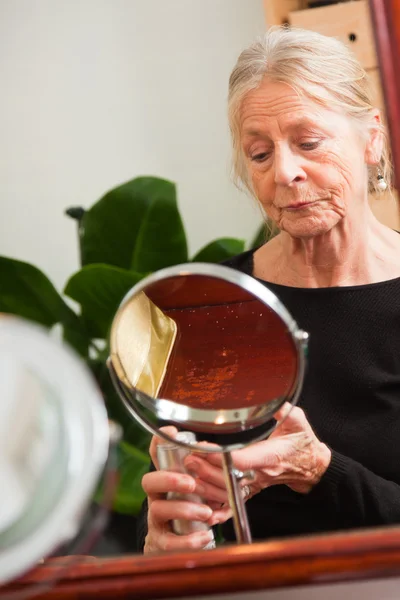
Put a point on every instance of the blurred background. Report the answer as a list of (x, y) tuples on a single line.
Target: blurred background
[(95, 93)]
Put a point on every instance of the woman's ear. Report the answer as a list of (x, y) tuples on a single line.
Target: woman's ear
[(374, 146)]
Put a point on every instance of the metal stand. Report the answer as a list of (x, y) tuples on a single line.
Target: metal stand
[(236, 501)]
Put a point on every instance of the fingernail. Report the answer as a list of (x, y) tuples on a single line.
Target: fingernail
[(205, 536), (204, 512)]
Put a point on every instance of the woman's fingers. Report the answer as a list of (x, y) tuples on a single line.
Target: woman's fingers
[(166, 541), (253, 457), (168, 430), (283, 412), (215, 505), (220, 516), (210, 492), (158, 483), (242, 459), (204, 470), (210, 479), (163, 511)]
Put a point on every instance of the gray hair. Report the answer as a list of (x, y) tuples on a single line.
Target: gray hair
[(308, 62)]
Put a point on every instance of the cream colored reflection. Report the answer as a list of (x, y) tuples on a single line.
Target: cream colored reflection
[(22, 449), (142, 340)]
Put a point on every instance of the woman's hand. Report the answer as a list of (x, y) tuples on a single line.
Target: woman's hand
[(292, 455), (161, 511)]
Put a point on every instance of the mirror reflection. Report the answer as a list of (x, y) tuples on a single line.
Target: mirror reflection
[(309, 144), (204, 342)]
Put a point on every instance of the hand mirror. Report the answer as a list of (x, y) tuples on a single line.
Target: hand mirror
[(212, 351)]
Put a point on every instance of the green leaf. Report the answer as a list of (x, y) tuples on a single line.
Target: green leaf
[(25, 291), (219, 250), (78, 338), (132, 465), (135, 226), (161, 241), (133, 432), (99, 290)]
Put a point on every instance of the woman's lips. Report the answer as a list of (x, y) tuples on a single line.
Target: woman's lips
[(299, 205)]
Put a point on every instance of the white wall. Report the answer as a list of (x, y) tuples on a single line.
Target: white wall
[(95, 92)]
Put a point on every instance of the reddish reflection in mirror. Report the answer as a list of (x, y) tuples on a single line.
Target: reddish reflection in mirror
[(231, 350)]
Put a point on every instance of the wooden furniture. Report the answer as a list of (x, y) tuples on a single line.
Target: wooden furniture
[(313, 560), (348, 21), (351, 557), (351, 23)]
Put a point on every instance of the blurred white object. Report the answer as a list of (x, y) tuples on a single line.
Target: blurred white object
[(54, 438)]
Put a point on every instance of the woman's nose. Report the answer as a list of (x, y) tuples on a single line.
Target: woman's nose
[(288, 170)]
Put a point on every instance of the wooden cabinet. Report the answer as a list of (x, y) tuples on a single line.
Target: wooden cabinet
[(350, 22), (277, 11)]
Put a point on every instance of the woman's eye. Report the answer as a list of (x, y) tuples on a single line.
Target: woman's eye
[(310, 145), (260, 157)]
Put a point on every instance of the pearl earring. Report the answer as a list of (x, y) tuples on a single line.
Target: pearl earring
[(382, 185)]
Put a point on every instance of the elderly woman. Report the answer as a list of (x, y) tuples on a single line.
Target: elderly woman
[(309, 146)]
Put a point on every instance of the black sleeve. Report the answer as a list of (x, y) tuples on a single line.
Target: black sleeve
[(357, 496), (141, 526)]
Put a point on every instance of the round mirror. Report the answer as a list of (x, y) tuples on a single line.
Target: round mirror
[(212, 351), (54, 439), (206, 348)]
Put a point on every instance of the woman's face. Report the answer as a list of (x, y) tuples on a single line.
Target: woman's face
[(307, 164)]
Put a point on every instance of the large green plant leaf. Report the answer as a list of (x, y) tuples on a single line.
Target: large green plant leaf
[(78, 338), (161, 241), (25, 291), (219, 250), (99, 290), (132, 465), (135, 226)]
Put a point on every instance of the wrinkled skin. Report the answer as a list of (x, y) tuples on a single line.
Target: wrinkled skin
[(292, 455), (308, 168), (297, 152)]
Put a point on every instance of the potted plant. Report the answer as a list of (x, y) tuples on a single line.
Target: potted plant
[(133, 230)]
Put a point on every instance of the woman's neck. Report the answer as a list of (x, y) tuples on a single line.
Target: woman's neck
[(362, 252)]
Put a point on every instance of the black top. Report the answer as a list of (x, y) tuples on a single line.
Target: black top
[(351, 397)]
